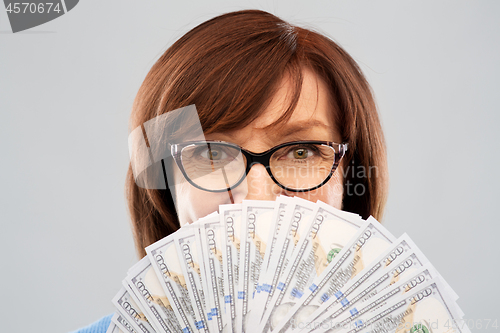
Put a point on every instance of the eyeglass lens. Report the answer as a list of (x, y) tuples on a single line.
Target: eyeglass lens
[(302, 166)]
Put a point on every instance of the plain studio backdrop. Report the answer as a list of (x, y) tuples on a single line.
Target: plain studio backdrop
[(66, 90)]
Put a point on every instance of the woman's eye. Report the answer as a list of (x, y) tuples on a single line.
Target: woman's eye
[(213, 154), (299, 153)]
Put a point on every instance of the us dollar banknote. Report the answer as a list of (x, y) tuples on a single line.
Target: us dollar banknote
[(190, 256), (230, 216), (371, 241), (384, 297), (293, 215), (279, 212), (145, 284), (119, 324), (257, 225), (401, 261), (128, 307), (212, 243), (425, 308), (167, 266), (329, 230)]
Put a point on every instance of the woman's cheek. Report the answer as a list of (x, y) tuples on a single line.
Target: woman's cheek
[(331, 193), (193, 204)]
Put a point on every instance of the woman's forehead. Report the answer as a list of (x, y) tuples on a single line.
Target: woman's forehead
[(312, 118), (314, 105)]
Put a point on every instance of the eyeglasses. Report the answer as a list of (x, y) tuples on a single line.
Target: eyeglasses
[(218, 166)]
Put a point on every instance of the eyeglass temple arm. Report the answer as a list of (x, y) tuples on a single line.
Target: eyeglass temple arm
[(343, 148)]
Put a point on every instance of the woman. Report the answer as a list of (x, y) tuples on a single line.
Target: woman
[(258, 83)]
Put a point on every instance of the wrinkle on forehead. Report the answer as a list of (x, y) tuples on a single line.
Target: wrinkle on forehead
[(314, 100)]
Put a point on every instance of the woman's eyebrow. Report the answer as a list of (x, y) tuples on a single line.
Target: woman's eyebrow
[(288, 129), (282, 132)]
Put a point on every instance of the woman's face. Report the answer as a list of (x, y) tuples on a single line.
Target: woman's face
[(311, 120)]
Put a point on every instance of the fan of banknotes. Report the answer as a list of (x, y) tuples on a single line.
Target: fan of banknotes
[(288, 265)]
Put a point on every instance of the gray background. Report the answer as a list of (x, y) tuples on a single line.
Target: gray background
[(66, 90)]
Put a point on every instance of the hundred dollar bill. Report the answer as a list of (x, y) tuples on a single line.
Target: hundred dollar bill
[(146, 286), (168, 268), (281, 204), (424, 274), (120, 325), (371, 241), (379, 273), (212, 242), (328, 231), (187, 241), (127, 306), (293, 214), (401, 261), (257, 224), (426, 308), (230, 216)]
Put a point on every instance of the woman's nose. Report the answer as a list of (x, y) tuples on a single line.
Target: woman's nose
[(260, 186)]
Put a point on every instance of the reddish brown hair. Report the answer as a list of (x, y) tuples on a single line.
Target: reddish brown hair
[(229, 68)]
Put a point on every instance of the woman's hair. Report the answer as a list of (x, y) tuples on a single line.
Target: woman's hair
[(230, 67)]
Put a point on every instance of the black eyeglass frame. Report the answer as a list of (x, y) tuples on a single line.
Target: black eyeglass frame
[(258, 158)]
